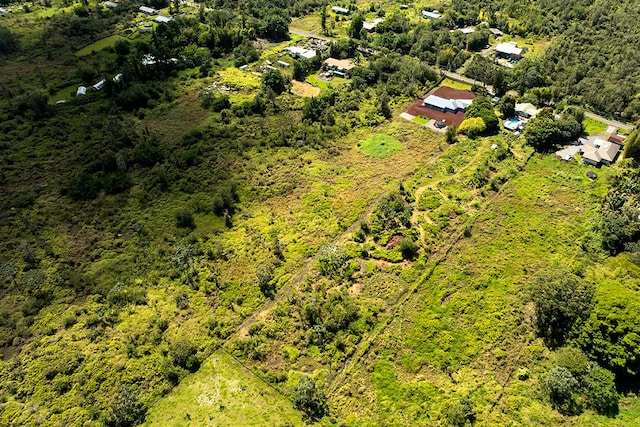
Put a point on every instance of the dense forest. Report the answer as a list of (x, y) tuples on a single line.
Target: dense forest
[(189, 208)]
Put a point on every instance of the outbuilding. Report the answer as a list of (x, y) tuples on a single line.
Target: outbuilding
[(163, 19), (148, 10), (431, 14), (300, 52), (110, 4), (340, 10), (509, 50), (82, 90)]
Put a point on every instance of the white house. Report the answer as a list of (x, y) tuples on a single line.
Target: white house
[(148, 10), (163, 19), (372, 25), (300, 52), (509, 50), (431, 15), (110, 4), (340, 10), (602, 151), (446, 105)]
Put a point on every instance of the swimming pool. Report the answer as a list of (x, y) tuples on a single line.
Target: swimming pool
[(512, 124)]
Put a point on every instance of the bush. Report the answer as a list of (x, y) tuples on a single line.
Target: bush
[(184, 354), (184, 219), (83, 187), (600, 390), (408, 248), (472, 127), (332, 260)]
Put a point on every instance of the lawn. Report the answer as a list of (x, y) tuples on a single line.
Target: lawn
[(99, 45), (455, 84), (592, 127), (420, 120), (221, 393), (380, 146)]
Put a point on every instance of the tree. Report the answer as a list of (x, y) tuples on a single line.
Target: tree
[(561, 300), (507, 106), (356, 26), (408, 248), (264, 274), (275, 26), (472, 127), (299, 73), (313, 109), (8, 41), (184, 219), (385, 110), (275, 80), (600, 389), (482, 107), (126, 409), (562, 388), (332, 260), (310, 399), (451, 133), (542, 133), (461, 413), (323, 20), (632, 146)]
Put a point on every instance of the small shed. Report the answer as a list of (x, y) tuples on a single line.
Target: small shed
[(148, 10), (163, 19), (82, 90), (431, 14), (99, 85), (110, 4), (283, 64), (340, 10), (117, 78)]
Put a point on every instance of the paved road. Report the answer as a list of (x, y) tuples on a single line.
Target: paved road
[(613, 123), (457, 77)]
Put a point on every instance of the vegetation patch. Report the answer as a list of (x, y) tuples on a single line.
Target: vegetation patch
[(380, 146), (99, 45), (592, 126), (304, 89)]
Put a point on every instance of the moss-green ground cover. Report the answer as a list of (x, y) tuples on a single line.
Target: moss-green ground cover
[(380, 146)]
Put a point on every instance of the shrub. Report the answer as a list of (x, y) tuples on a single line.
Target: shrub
[(408, 248), (83, 187), (600, 390), (562, 387), (184, 354), (472, 127), (184, 219)]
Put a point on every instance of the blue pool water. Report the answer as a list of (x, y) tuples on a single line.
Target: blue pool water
[(512, 122)]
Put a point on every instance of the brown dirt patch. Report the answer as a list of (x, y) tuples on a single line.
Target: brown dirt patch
[(304, 89), (394, 241)]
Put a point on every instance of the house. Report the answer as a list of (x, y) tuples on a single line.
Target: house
[(445, 105), (371, 26), (465, 30), (509, 50), (110, 4), (82, 90), (283, 64), (526, 110), (148, 10), (99, 85), (496, 32), (340, 10), (340, 67), (162, 19), (300, 52), (431, 15), (601, 152)]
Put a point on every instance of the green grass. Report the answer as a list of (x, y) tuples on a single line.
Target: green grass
[(221, 393), (455, 84), (99, 45), (592, 127), (421, 120), (380, 146)]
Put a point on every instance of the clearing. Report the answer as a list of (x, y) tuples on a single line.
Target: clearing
[(304, 89), (99, 45), (380, 146)]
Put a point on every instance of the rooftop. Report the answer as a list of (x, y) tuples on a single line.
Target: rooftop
[(301, 52), (508, 48), (343, 64)]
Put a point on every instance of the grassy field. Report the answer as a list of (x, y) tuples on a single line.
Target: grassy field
[(592, 127), (455, 84), (223, 393), (380, 146), (420, 120), (99, 45), (304, 89)]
